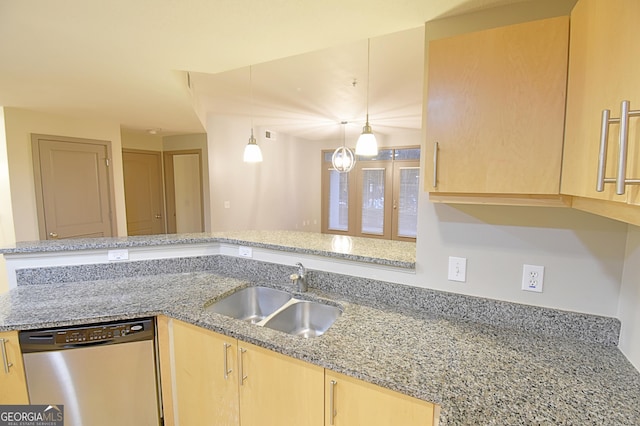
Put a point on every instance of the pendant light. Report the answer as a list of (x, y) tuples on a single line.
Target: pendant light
[(252, 152), (343, 159), (367, 145)]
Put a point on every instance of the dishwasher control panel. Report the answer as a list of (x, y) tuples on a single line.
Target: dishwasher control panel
[(95, 334), (87, 335)]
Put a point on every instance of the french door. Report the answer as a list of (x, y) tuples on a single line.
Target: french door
[(377, 199)]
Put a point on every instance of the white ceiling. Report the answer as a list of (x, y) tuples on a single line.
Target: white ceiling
[(309, 95), (126, 60)]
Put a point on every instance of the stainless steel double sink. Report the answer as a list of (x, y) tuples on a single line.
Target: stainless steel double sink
[(278, 310)]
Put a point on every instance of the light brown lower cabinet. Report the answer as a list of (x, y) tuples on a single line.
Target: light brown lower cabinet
[(195, 390), (355, 402), (211, 379), (13, 383)]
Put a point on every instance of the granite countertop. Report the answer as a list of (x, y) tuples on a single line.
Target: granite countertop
[(479, 374), (399, 254)]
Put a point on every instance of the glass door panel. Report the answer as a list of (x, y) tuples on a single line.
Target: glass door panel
[(406, 204), (373, 184), (338, 201)]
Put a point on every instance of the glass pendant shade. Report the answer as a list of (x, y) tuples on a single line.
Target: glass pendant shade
[(252, 152), (367, 146), (343, 160)]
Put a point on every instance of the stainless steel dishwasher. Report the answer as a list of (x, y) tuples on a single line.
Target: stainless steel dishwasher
[(103, 374)]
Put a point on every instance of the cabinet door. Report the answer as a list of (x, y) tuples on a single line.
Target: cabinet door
[(279, 390), (205, 385), (355, 402), (604, 64), (495, 107), (13, 385)]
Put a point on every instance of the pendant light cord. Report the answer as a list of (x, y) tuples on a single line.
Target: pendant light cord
[(368, 73), (251, 96)]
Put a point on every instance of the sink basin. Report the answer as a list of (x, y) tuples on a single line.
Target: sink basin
[(252, 304), (304, 318)]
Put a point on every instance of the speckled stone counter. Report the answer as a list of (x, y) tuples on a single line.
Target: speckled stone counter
[(480, 374), (370, 250)]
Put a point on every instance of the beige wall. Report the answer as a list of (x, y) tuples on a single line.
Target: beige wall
[(20, 124), (583, 254), (140, 140), (7, 233), (279, 193)]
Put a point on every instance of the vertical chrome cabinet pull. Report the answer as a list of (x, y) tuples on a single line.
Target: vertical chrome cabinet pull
[(227, 370), (332, 402), (620, 180), (242, 376), (622, 146), (5, 359), (602, 155), (435, 165)]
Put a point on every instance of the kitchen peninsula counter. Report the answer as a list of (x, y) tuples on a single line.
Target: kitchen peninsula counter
[(397, 254), (479, 374)]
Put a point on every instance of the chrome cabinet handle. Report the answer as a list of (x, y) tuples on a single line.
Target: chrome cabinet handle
[(602, 155), (620, 180), (227, 370), (158, 216), (622, 147), (435, 165), (242, 375), (5, 359), (332, 402)]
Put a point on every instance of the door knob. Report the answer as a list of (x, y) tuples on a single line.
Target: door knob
[(53, 235)]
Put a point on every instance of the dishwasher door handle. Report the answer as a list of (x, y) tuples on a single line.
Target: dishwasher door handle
[(87, 345)]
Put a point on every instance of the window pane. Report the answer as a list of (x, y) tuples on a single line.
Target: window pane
[(383, 155), (373, 201), (338, 201), (407, 154), (408, 202), (326, 155)]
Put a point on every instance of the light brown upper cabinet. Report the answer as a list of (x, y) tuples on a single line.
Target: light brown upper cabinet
[(495, 114), (604, 71)]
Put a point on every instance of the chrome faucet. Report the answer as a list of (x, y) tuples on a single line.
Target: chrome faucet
[(300, 279)]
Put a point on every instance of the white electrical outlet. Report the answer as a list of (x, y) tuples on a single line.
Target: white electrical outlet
[(458, 269), (245, 251), (532, 278), (115, 255)]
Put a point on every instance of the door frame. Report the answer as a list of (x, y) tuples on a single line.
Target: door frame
[(35, 157), (158, 155), (170, 189)]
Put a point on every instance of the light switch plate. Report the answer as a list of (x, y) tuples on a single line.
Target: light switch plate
[(458, 269)]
